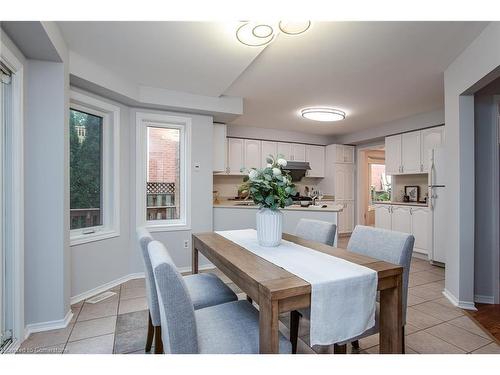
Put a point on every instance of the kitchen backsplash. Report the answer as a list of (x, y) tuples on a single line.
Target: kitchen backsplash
[(227, 186)]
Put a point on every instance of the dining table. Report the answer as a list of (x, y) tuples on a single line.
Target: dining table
[(277, 291)]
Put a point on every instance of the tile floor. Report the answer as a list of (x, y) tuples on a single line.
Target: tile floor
[(119, 323)]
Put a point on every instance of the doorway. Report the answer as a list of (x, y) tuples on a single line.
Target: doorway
[(374, 185)]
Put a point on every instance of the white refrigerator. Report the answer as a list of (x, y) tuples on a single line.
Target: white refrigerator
[(437, 191)]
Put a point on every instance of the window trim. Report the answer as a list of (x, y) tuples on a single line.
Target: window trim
[(143, 120), (110, 168)]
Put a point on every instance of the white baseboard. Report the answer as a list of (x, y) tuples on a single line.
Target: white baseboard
[(456, 302), (47, 326), (484, 299), (102, 288), (201, 268)]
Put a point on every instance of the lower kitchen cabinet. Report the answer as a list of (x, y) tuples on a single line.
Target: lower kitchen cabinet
[(346, 217), (408, 219)]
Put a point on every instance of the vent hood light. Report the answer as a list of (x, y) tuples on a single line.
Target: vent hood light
[(323, 114)]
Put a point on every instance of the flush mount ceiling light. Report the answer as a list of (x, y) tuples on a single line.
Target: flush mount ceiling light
[(258, 34), (323, 114), (294, 28)]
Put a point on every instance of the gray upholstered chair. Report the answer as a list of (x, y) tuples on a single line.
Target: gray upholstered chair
[(386, 245), (205, 289), (229, 328), (316, 230)]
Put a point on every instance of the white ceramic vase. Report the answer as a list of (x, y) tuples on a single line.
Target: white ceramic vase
[(269, 227)]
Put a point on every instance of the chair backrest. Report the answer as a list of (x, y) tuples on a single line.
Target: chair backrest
[(144, 238), (390, 246), (316, 230), (178, 324)]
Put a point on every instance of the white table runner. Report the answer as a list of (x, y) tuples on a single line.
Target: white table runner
[(343, 296)]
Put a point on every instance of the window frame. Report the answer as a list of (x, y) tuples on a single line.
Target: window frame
[(143, 121), (110, 190)]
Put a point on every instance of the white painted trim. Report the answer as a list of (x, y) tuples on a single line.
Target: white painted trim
[(48, 326), (102, 288), (169, 121), (461, 304), (479, 298), (111, 167), (17, 186)]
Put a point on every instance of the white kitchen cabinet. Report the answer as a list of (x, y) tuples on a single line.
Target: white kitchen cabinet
[(420, 228), (253, 155), (344, 154), (219, 149), (344, 182), (235, 156), (383, 216), (298, 152), (268, 148), (431, 138), (315, 155), (346, 217), (401, 219), (285, 150), (410, 153), (393, 154)]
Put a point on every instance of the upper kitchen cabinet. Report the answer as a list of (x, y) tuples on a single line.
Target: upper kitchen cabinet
[(253, 155), (410, 153), (235, 155), (393, 154), (285, 150), (298, 152), (431, 138), (268, 148), (219, 149), (344, 154), (315, 155)]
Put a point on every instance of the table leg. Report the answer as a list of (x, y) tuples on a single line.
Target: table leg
[(194, 260), (268, 326), (391, 337)]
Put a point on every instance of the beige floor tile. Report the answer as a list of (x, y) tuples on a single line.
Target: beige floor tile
[(438, 310), (303, 347), (438, 271), (129, 293), (92, 328), (414, 300), (416, 280), (108, 307), (458, 337), (419, 265), (56, 349), (94, 345), (421, 320), (425, 343), (468, 324), (375, 350), (410, 328), (426, 292), (47, 338), (492, 348), (429, 276), (369, 341), (133, 304), (134, 283)]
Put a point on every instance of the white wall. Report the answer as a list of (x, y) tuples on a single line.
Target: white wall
[(416, 122), (276, 135), (480, 58)]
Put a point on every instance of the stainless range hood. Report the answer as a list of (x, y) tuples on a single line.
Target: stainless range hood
[(297, 169)]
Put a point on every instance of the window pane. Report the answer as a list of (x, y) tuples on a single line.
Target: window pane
[(163, 174), (85, 169), (380, 183)]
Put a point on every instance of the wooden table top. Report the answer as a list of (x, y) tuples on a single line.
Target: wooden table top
[(238, 262)]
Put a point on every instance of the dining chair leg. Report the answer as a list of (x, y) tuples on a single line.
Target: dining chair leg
[(249, 299), (294, 329), (149, 339), (403, 335), (340, 349), (158, 341), (355, 344)]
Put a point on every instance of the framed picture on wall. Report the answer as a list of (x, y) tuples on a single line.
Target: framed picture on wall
[(412, 192)]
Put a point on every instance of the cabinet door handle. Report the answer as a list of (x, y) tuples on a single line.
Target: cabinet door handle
[(411, 211), (402, 169)]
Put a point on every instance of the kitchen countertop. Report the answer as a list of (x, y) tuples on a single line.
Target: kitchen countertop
[(331, 206), (418, 204)]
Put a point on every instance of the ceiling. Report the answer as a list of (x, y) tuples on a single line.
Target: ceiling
[(375, 71)]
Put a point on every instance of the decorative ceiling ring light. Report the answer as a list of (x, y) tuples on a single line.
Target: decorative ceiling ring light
[(323, 114), (294, 28), (254, 35)]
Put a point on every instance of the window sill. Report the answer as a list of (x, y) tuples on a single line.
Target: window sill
[(167, 227), (81, 239)]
